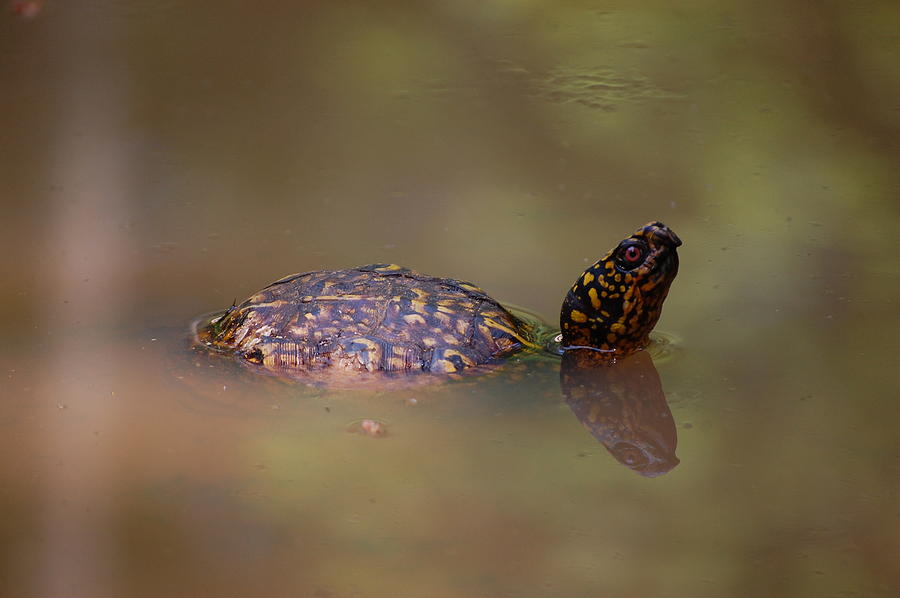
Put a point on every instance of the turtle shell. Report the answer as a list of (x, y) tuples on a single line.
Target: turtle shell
[(376, 318)]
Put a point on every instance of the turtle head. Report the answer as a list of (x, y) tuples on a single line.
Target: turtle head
[(615, 304)]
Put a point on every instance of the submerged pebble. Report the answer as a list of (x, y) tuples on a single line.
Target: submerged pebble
[(368, 427)]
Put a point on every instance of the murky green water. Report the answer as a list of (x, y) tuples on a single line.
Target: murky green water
[(158, 161)]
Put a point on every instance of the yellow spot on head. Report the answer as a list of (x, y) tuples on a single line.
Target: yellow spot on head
[(595, 300), (577, 316), (588, 278)]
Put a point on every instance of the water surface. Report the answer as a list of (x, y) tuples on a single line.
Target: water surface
[(161, 161)]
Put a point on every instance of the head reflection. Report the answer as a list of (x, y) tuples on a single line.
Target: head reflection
[(623, 406)]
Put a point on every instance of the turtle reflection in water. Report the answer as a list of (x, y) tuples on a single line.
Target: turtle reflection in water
[(380, 324), (622, 405)]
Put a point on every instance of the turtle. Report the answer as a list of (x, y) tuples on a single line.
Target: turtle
[(386, 319)]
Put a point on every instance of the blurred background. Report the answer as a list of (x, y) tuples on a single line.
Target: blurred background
[(161, 160)]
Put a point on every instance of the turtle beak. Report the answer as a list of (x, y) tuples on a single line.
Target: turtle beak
[(663, 234)]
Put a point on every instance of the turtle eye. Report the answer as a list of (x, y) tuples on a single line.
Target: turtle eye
[(632, 255)]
